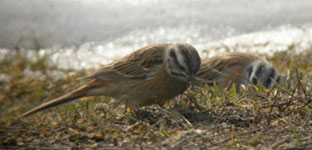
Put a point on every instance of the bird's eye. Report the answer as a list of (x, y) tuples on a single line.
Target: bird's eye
[(181, 67)]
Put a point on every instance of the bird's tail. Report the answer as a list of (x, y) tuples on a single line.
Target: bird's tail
[(73, 95)]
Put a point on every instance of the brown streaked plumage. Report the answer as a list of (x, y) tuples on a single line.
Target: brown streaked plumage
[(147, 76), (238, 68)]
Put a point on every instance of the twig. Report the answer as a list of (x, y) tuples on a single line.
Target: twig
[(280, 142)]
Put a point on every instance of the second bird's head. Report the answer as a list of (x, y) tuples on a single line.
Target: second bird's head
[(261, 72)]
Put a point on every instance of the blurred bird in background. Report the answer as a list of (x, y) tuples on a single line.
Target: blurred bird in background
[(239, 69)]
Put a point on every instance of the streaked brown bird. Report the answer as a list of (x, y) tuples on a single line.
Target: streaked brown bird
[(147, 76), (239, 68)]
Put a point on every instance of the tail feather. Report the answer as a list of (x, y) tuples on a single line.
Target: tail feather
[(78, 93)]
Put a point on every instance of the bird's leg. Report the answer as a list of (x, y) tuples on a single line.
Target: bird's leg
[(126, 106)]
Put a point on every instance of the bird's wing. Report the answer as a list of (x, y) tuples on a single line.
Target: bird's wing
[(210, 69), (142, 64), (228, 64)]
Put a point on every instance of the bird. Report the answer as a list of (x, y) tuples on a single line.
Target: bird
[(237, 68), (149, 75)]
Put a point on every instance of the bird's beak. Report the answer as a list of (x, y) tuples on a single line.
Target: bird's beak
[(192, 80)]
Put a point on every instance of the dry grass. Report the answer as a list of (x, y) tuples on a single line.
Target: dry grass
[(203, 119)]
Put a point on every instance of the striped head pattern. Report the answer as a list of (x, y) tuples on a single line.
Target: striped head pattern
[(182, 62)]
